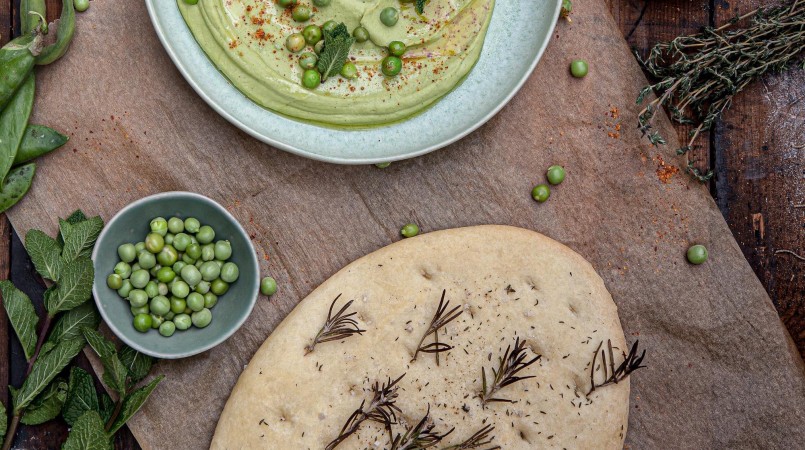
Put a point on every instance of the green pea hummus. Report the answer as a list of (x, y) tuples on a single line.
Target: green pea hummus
[(245, 39)]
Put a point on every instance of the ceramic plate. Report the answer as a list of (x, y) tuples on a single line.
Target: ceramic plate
[(508, 58)]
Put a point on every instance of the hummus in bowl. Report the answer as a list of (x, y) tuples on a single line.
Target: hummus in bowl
[(246, 40)]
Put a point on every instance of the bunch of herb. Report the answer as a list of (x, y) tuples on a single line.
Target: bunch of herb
[(336, 327), (440, 319), (699, 74), (336, 51), (420, 436), (64, 265), (510, 364), (612, 374)]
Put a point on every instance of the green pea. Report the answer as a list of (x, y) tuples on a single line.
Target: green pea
[(198, 263), (219, 262), (312, 34), (193, 251), (152, 289), (154, 242), (178, 266), (154, 270), (286, 3), (159, 226), (191, 275), (210, 271), (397, 48), (409, 230), (219, 287), (163, 289), (138, 247), (178, 305), (391, 66), (166, 275), (180, 288), (322, 2), (127, 253), (168, 327), (360, 34), (308, 60), (349, 70), (182, 321), (83, 5), (203, 287), (169, 238), (115, 281), (168, 256), (181, 241), (175, 225), (555, 174), (135, 267), (210, 300), (311, 79), (142, 322), (268, 286), (188, 260), (160, 305), (138, 298), (697, 254), (541, 192), (201, 318), (389, 16), (146, 260), (579, 68), (301, 13), (191, 225), (230, 272), (205, 234), (329, 26), (156, 321), (135, 310), (223, 250), (125, 290), (382, 165), (319, 47), (140, 278), (123, 269), (195, 301), (169, 315)]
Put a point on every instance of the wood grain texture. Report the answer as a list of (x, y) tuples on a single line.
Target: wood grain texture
[(759, 148)]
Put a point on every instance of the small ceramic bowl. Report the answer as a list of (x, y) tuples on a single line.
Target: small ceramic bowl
[(131, 225)]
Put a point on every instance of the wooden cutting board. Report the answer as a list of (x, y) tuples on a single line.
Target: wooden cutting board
[(722, 372)]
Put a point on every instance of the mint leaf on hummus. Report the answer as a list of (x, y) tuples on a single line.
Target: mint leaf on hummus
[(336, 51), (420, 6)]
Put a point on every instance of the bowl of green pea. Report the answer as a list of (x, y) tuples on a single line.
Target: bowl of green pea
[(175, 274)]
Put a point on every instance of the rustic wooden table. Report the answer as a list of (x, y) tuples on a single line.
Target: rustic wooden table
[(756, 151)]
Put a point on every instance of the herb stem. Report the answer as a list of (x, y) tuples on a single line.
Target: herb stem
[(115, 414), (12, 431)]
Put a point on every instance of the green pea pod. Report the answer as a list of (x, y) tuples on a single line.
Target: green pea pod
[(16, 185), (38, 140), (16, 62), (28, 22), (13, 121), (64, 35)]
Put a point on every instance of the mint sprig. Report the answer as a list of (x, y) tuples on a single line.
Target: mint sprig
[(420, 6), (336, 51)]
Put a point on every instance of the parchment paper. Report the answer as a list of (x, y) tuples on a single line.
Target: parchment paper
[(722, 372)]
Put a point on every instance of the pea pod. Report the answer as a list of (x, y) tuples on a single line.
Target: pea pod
[(16, 185), (37, 141), (64, 35), (28, 22), (16, 62), (13, 121)]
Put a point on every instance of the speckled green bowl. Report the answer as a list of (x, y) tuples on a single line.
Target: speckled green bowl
[(131, 224)]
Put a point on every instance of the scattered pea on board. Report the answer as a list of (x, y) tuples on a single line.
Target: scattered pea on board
[(410, 230), (697, 254), (174, 277)]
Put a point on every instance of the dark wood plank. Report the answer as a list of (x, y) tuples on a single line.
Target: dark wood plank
[(644, 23), (759, 181)]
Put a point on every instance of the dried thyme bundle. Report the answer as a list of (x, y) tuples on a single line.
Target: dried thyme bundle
[(700, 74)]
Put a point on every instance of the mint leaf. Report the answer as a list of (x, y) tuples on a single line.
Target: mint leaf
[(3, 421), (107, 407), (45, 253), (134, 402), (79, 238), (22, 315), (88, 434), (46, 347), (81, 396), (137, 364), (336, 51), (114, 374), (71, 324), (65, 225), (76, 217), (99, 344), (47, 405), (420, 6), (45, 370), (74, 288)]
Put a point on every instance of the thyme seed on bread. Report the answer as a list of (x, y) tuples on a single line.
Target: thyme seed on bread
[(336, 327)]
